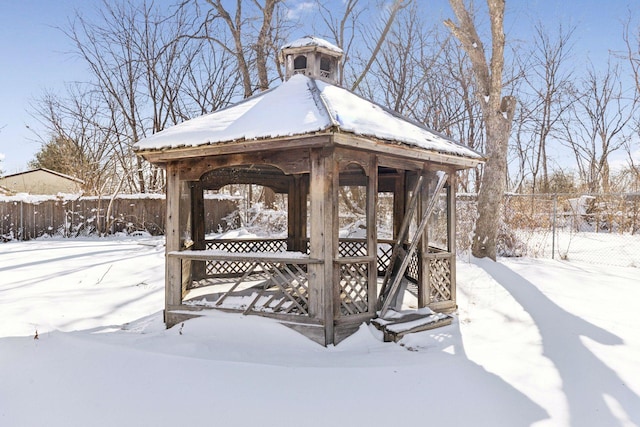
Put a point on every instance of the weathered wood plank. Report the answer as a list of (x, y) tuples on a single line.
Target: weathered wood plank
[(235, 147), (451, 230), (402, 323), (372, 235), (173, 265), (323, 243), (404, 151), (207, 255)]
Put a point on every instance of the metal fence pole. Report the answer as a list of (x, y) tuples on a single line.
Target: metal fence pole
[(553, 227)]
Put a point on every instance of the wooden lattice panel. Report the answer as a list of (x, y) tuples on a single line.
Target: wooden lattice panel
[(354, 288), (413, 269), (352, 248), (287, 288), (440, 279), (284, 289), (248, 245), (384, 257), (237, 268)]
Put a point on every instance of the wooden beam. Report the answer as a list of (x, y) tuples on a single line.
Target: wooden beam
[(197, 227), (173, 266), (372, 234), (405, 151), (297, 214), (451, 230), (399, 203), (288, 161), (322, 240), (424, 289), (180, 152)]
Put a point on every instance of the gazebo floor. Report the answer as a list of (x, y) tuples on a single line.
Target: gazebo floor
[(258, 297)]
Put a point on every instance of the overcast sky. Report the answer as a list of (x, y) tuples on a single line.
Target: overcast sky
[(35, 54)]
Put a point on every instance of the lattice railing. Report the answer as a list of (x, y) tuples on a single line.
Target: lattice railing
[(247, 245), (440, 264), (354, 288), (284, 289), (273, 283), (385, 249), (352, 248), (440, 276), (413, 269), (221, 268)]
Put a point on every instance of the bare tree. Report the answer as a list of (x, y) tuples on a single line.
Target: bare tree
[(399, 73), (631, 36), (252, 45), (147, 74), (341, 28), (598, 125), (548, 94), (454, 106), (421, 73), (395, 8), (497, 111), (79, 145)]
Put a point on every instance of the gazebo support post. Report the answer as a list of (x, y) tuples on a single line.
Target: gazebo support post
[(323, 244), (372, 233), (399, 201), (197, 227), (451, 231), (297, 214), (173, 232), (424, 285)]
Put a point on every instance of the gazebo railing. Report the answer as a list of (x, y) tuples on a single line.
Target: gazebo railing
[(440, 275), (242, 259), (216, 267), (354, 285), (275, 284)]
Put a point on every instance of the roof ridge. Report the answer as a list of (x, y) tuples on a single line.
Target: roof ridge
[(321, 102)]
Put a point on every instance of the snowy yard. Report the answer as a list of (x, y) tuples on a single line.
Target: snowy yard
[(534, 342)]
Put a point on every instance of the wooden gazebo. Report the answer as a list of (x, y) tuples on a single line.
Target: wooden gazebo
[(317, 144)]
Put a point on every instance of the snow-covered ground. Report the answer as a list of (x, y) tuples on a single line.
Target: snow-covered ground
[(534, 342)]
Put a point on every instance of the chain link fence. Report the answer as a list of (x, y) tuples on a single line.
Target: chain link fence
[(592, 228)]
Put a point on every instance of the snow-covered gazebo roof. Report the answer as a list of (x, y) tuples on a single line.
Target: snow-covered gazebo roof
[(305, 106), (314, 41)]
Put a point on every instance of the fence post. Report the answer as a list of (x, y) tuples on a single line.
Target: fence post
[(553, 230), (21, 233)]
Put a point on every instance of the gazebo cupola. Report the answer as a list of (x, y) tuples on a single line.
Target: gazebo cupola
[(313, 57)]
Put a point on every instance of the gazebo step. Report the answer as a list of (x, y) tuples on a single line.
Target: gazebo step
[(396, 325)]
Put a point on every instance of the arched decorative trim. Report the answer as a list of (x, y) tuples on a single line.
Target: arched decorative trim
[(265, 175)]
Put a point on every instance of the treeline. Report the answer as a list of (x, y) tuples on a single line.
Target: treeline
[(153, 66)]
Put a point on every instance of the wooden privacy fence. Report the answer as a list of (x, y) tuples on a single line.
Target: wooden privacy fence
[(29, 217)]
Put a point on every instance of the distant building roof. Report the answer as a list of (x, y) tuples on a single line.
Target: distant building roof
[(31, 171), (41, 181)]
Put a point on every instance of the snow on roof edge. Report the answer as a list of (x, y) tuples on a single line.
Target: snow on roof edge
[(332, 106), (312, 41)]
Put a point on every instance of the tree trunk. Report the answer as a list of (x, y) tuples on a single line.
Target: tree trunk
[(497, 113), (493, 185)]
